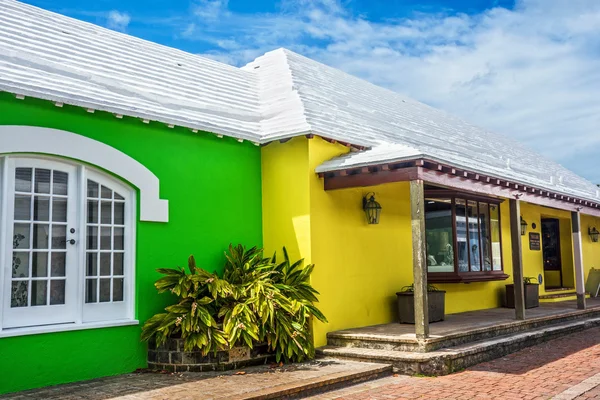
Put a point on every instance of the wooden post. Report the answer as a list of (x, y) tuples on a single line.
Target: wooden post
[(417, 216), (517, 257), (578, 255)]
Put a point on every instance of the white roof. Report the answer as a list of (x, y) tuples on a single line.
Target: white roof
[(279, 95)]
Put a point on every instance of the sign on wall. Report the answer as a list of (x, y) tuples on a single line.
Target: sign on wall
[(534, 241)]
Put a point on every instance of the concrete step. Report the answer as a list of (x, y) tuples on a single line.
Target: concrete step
[(449, 360), (395, 343)]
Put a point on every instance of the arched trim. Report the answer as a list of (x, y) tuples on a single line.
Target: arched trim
[(32, 139)]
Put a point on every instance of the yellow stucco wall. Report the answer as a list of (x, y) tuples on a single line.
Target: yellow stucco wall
[(360, 267), (591, 251)]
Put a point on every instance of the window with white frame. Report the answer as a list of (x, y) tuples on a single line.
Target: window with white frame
[(66, 245)]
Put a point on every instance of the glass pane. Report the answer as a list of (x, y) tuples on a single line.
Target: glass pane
[(106, 212), (118, 232), (59, 209), (59, 236), (92, 211), (20, 265), (22, 207), (58, 263), (119, 213), (105, 264), (118, 264), (39, 293), (39, 264), (474, 245), (461, 236), (21, 236), (106, 193), (118, 289), (59, 182), (105, 290), (91, 290), (40, 236), (118, 196), (23, 179), (92, 264), (92, 189), (41, 208), (438, 227), (42, 180), (105, 238), (484, 238), (495, 237), (18, 294), (92, 237), (57, 292)]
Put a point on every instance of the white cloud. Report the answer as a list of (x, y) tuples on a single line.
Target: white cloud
[(532, 73), (210, 9), (117, 20)]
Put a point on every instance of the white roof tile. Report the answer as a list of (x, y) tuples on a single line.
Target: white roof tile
[(279, 95)]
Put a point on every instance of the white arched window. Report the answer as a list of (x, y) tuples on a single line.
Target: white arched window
[(67, 234)]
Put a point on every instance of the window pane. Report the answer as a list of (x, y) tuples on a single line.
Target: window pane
[(495, 237), (18, 294), (106, 193), (118, 264), (92, 237), (438, 227), (57, 292), (42, 181), (20, 265), (118, 233), (105, 238), (23, 179), (119, 213), (474, 245), (484, 237), (118, 196), (106, 212), (22, 207), (21, 236), (92, 189), (105, 290), (92, 264), (39, 293), (118, 289), (41, 208), (59, 209), (461, 236), (58, 264), (104, 264), (59, 236), (40, 236), (92, 212), (91, 290), (59, 184), (39, 264)]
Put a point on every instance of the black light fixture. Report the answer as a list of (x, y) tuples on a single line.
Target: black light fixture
[(372, 208), (523, 227), (593, 232)]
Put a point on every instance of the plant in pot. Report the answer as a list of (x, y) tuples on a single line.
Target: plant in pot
[(436, 299), (531, 290), (257, 301)]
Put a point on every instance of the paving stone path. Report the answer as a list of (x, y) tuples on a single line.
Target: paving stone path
[(545, 371)]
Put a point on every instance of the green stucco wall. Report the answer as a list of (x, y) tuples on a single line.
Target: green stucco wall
[(214, 191)]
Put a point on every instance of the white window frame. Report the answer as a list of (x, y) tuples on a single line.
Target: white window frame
[(88, 315)]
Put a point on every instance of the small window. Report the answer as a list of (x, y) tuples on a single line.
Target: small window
[(463, 237)]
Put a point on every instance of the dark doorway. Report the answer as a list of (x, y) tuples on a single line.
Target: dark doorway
[(551, 251)]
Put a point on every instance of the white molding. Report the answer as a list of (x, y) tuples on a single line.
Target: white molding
[(31, 139), (36, 330)]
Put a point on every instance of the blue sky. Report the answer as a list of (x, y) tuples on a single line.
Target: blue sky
[(529, 69)]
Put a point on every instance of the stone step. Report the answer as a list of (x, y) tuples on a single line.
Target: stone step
[(449, 360), (352, 375), (396, 343)]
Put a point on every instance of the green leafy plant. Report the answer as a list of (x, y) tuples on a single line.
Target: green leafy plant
[(411, 288), (257, 300)]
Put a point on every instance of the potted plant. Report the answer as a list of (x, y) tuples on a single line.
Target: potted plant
[(532, 293), (436, 299)]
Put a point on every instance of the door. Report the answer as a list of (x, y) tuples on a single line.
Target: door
[(551, 252), (41, 251)]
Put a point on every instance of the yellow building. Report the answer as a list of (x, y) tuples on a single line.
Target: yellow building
[(364, 142)]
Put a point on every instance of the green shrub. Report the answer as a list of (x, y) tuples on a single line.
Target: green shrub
[(257, 300)]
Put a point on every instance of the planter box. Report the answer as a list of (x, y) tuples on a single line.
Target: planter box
[(532, 295), (406, 306), (171, 357)]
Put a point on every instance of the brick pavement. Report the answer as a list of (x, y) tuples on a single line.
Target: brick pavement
[(539, 372)]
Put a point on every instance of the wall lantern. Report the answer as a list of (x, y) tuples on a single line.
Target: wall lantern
[(372, 208), (593, 232), (523, 227)]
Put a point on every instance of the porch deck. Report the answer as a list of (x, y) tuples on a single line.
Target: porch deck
[(474, 325)]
